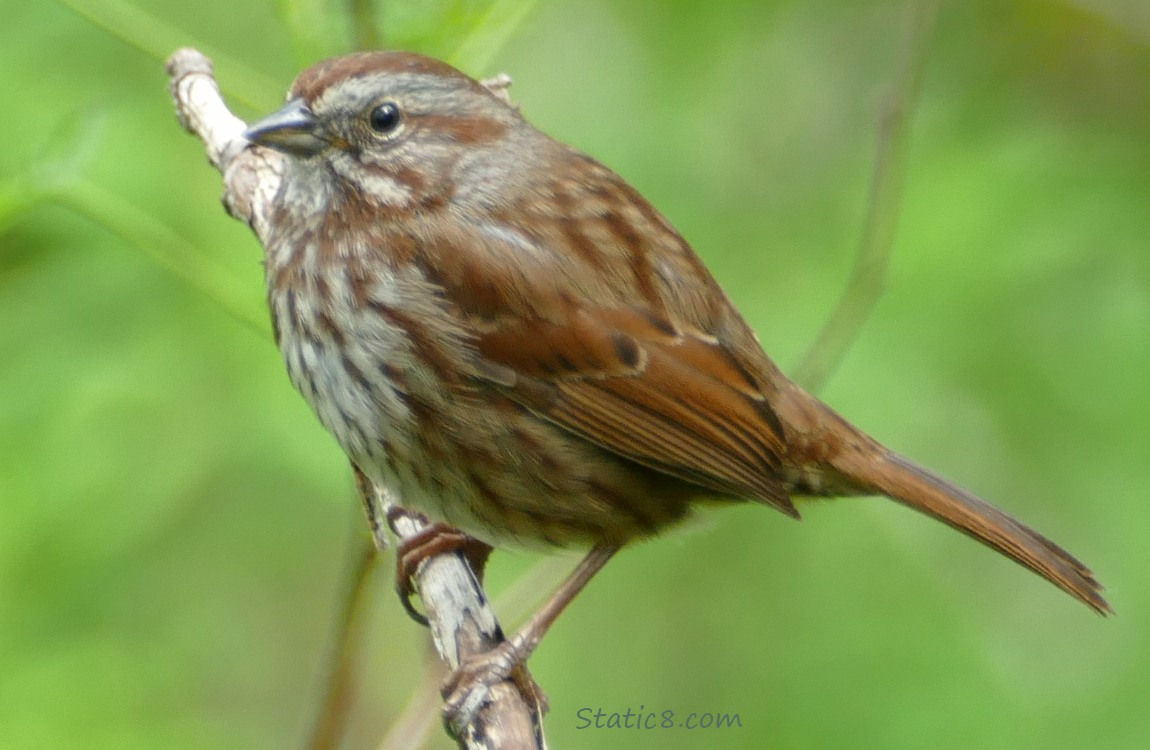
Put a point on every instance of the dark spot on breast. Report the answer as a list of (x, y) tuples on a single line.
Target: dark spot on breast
[(328, 326), (389, 372), (356, 374), (276, 332), (292, 311)]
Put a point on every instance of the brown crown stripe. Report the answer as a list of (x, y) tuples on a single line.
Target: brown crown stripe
[(313, 82)]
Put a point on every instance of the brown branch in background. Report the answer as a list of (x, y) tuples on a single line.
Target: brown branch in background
[(888, 177), (331, 723), (462, 622)]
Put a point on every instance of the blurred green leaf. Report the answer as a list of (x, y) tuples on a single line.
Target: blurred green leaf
[(318, 28), (54, 164), (159, 39), (488, 34), (465, 33), (139, 228), (364, 18), (17, 197)]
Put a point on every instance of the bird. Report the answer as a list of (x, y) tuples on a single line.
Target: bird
[(507, 334)]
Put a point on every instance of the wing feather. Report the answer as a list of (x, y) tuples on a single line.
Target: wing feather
[(632, 395)]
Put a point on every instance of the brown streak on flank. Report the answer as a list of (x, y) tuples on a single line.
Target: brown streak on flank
[(492, 500), (533, 447), (426, 419), (643, 520), (433, 202)]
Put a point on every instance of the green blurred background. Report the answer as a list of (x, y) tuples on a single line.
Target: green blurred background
[(174, 524)]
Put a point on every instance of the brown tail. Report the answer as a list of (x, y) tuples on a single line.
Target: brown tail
[(890, 474)]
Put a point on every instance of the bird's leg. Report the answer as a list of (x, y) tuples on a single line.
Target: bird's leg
[(465, 690)]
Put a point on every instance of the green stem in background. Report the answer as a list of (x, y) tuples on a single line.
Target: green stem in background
[(888, 177), (139, 228), (157, 39), (365, 31), (17, 197), (501, 19)]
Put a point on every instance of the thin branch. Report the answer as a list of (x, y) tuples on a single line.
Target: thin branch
[(155, 37), (331, 724), (139, 228), (885, 202), (414, 724), (462, 622), (516, 602)]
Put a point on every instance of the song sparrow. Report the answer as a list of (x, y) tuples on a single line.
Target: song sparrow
[(506, 333)]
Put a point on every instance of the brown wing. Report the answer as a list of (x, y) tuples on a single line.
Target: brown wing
[(674, 402), (588, 308)]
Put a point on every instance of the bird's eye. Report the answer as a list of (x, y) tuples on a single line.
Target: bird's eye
[(385, 118)]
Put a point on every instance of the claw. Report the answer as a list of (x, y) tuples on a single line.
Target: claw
[(466, 690), (435, 539)]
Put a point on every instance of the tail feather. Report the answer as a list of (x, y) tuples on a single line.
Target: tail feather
[(926, 492)]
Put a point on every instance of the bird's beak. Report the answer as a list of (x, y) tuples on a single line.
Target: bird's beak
[(293, 130)]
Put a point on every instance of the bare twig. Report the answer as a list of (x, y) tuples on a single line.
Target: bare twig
[(462, 622), (887, 178), (155, 37)]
